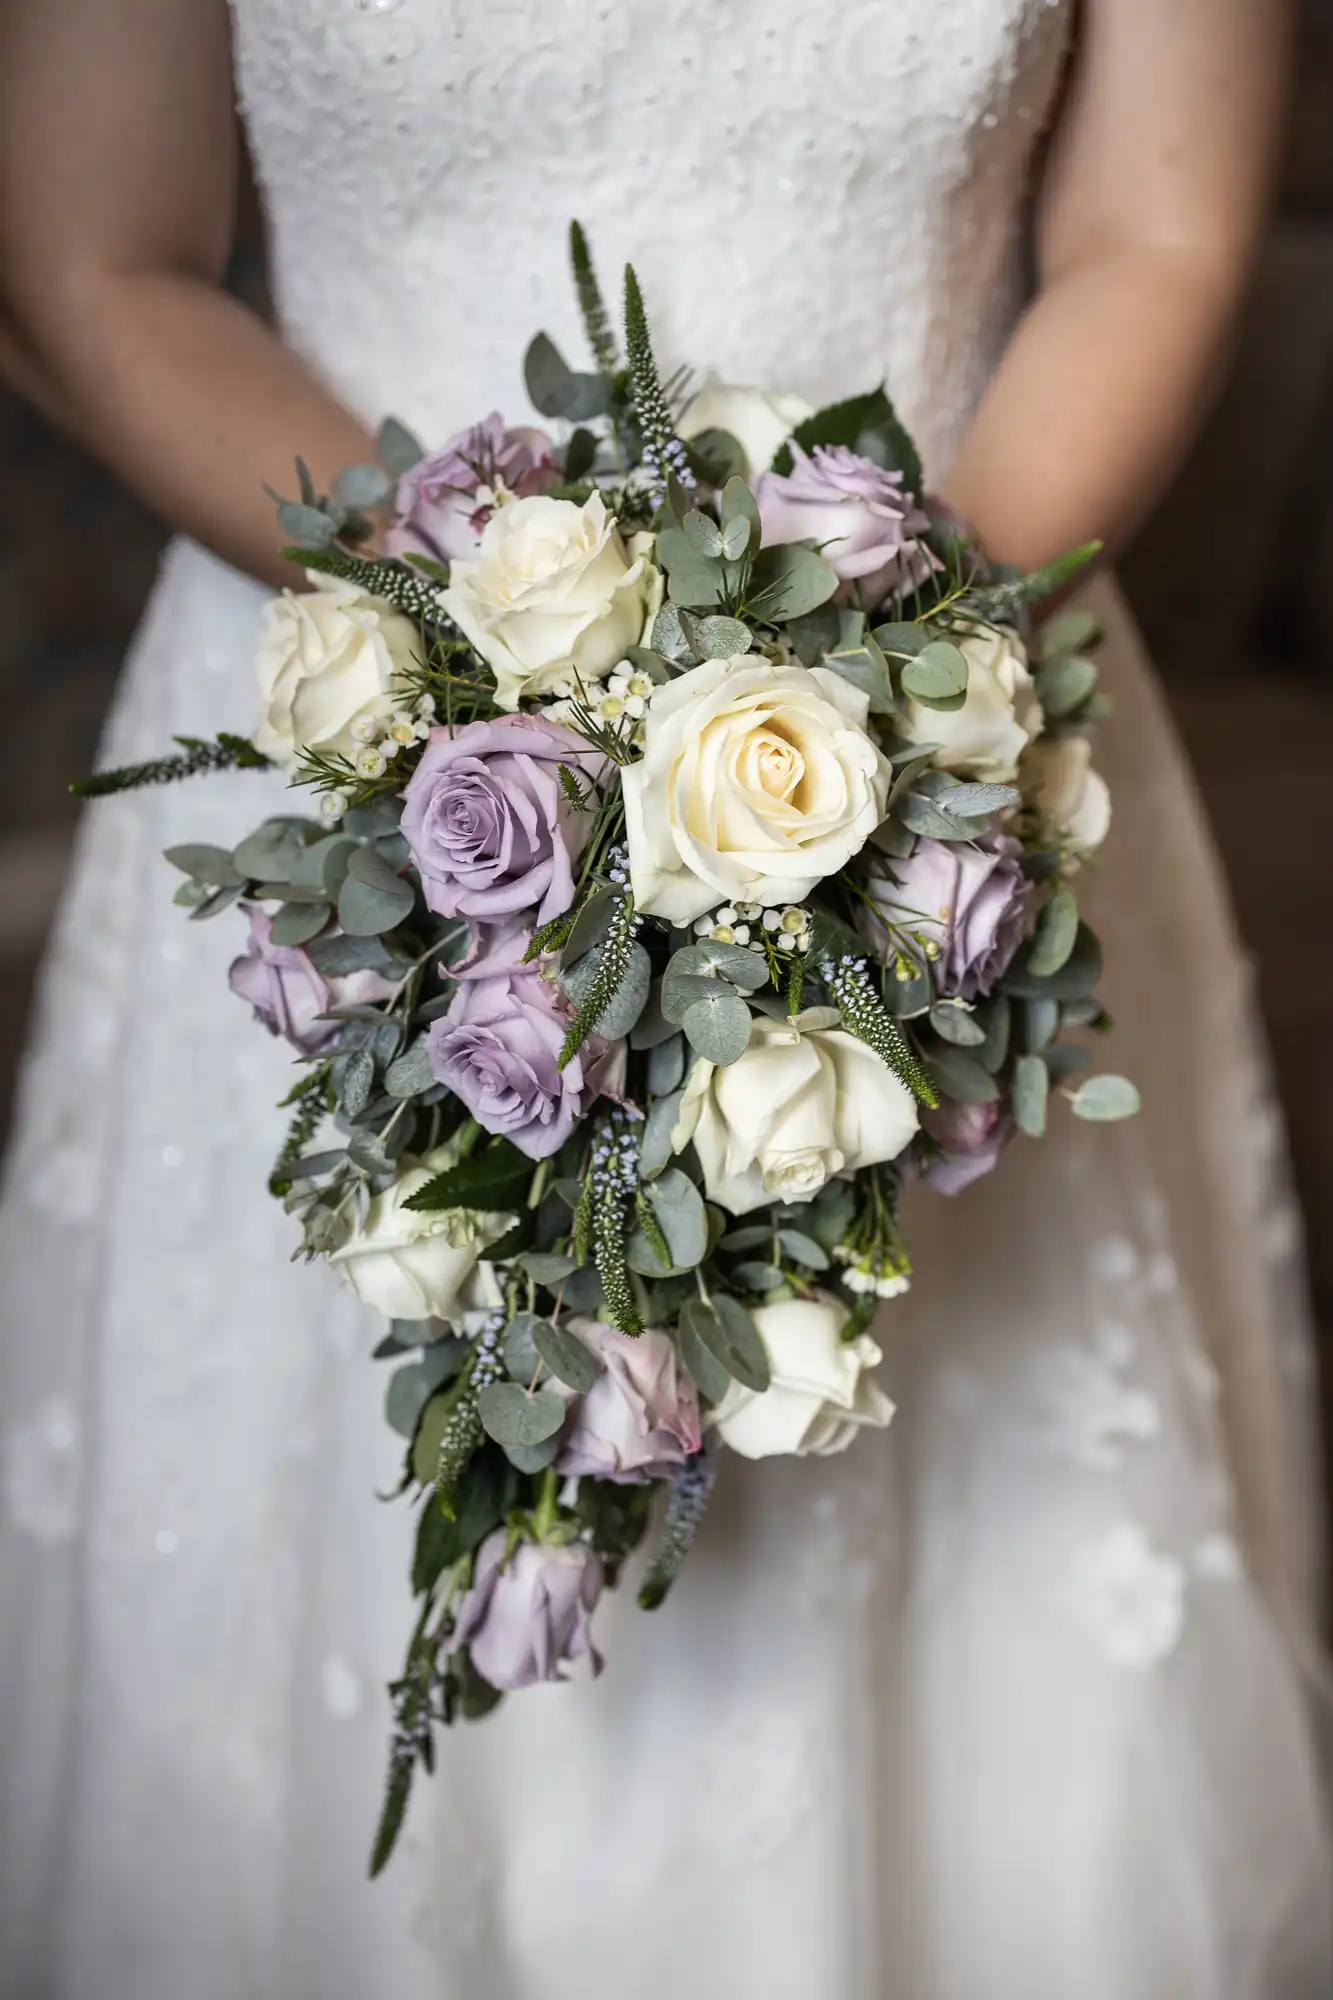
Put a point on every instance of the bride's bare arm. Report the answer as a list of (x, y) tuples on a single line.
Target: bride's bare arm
[(1151, 199), (117, 174)]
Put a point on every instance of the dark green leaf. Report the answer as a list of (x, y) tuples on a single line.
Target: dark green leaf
[(788, 580), (868, 424), (1076, 978), (1057, 929), (709, 1375), (297, 923), (566, 1356), (399, 450), (959, 1075), (495, 1179)]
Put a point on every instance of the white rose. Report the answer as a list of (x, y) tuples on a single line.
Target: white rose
[(553, 596), (327, 656), (985, 738), (806, 1100), (1058, 778), (410, 1265), (757, 780), (821, 1391), (759, 422)]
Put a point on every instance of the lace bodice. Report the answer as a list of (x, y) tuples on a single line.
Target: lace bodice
[(815, 191)]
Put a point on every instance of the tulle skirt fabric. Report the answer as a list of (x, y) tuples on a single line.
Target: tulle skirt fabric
[(1013, 1701)]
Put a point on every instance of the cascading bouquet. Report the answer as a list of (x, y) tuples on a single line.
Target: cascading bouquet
[(692, 870)]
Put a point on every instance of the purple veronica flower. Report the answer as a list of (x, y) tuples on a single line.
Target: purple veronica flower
[(971, 898), (445, 501), (498, 1049), (857, 513), (528, 1615), (289, 993), (488, 822)]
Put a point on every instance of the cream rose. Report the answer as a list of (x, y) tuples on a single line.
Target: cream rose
[(758, 421), (806, 1100), (410, 1265), (821, 1393), (757, 780), (1057, 776), (985, 738), (554, 596), (327, 656)]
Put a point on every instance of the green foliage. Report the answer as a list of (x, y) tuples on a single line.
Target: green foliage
[(495, 1179), (596, 323), (196, 756), (867, 424)]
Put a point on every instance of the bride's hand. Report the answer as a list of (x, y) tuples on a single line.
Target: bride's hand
[(1149, 205), (117, 188)]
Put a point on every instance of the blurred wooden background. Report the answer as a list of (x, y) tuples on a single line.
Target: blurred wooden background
[(1233, 581)]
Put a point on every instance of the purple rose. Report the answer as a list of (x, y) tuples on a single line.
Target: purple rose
[(973, 1137), (857, 514), (488, 822), (640, 1419), (445, 501), (528, 1614), (288, 991), (971, 898), (498, 1049)]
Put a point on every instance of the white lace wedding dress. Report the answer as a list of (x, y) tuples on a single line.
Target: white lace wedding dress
[(1011, 1702)]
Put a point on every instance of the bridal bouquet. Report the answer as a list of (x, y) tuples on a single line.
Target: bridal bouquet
[(693, 868)]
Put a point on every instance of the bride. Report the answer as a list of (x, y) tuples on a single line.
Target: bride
[(1013, 1702)]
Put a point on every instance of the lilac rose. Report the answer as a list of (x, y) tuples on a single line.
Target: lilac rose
[(972, 1136), (498, 1049), (529, 1613), (445, 501), (640, 1419), (288, 991), (858, 514), (970, 898), (488, 821)]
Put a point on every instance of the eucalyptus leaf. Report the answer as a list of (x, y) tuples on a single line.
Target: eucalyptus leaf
[(626, 1004), (590, 926), (1069, 632), (271, 853), (994, 1050), (711, 1378), (722, 638), (399, 450), (366, 912), (977, 801), (357, 1081), (566, 1356), (666, 1066), (804, 1249), (532, 1458), (679, 1208), (1028, 1094), (516, 1418), (959, 1075), (738, 504), (376, 817), (1063, 685), (756, 1277), (788, 580), (703, 535), (731, 1337), (1057, 928), (655, 1148), (1074, 981), (518, 1347), (410, 1073), (310, 527), (363, 486), (733, 962), (736, 538), (1062, 1059), (297, 923), (937, 675), (717, 1024), (695, 581), (867, 670), (901, 641), (334, 956), (957, 1025), (205, 863), (1041, 1024), (1104, 1098)]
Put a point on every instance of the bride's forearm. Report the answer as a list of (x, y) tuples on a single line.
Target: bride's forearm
[(192, 401), (1093, 405), (1149, 205)]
